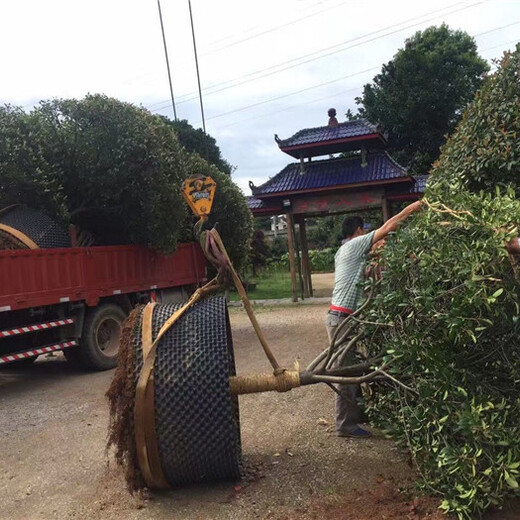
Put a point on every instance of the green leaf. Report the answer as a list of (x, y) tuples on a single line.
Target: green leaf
[(511, 481)]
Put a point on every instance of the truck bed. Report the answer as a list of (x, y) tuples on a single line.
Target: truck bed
[(32, 278)]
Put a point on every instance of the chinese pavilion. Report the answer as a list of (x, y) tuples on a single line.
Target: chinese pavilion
[(363, 176)]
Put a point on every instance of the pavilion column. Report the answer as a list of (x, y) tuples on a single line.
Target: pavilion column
[(387, 209), (292, 256), (306, 263)]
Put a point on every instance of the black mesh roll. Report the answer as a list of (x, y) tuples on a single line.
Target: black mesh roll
[(37, 226), (197, 419)]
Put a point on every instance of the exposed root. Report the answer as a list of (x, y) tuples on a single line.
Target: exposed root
[(121, 397), (8, 241)]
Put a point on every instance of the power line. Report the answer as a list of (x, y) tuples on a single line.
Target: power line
[(197, 67), (258, 74), (167, 61), (497, 28), (338, 93), (270, 30), (251, 29), (292, 93), (277, 98), (251, 37)]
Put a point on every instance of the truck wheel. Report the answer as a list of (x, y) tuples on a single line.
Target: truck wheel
[(100, 339)]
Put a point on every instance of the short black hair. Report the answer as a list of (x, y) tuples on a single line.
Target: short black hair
[(350, 224)]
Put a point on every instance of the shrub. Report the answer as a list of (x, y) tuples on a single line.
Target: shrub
[(279, 246), (114, 170), (450, 300), (322, 259)]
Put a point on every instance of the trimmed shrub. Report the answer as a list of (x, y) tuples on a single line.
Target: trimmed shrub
[(114, 170), (446, 317)]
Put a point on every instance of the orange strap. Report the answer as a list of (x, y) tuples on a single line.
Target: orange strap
[(144, 412), (22, 237), (144, 409), (247, 305)]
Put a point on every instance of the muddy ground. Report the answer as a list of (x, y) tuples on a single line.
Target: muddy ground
[(53, 424)]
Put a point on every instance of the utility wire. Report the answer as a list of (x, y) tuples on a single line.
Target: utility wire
[(292, 93), (278, 65), (277, 98), (167, 61), (197, 67), (336, 94), (131, 80), (258, 73), (270, 30)]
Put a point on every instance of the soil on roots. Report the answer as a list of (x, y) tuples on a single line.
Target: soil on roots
[(121, 398), (8, 241)]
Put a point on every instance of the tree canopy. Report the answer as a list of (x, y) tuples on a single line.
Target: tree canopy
[(114, 170), (445, 319), (420, 94), (196, 141)]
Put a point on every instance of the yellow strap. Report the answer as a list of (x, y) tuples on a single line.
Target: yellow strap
[(144, 414), (247, 305), (22, 237), (144, 410)]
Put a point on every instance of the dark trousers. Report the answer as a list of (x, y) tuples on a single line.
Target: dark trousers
[(348, 413)]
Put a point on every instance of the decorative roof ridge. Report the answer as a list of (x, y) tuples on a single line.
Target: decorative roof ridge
[(394, 162), (371, 126)]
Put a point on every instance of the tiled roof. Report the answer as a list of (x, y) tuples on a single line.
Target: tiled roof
[(254, 203), (323, 134), (420, 184), (332, 172)]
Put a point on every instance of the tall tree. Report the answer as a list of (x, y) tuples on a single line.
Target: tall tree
[(420, 94), (196, 141)]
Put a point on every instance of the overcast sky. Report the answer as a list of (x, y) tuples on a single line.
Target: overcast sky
[(266, 66)]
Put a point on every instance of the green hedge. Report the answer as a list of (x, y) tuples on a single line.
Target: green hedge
[(322, 260)]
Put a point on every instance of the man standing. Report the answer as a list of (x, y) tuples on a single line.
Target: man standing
[(350, 262)]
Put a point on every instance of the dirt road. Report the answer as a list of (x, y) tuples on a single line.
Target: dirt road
[(53, 424)]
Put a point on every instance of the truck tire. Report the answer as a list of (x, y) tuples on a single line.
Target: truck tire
[(100, 339)]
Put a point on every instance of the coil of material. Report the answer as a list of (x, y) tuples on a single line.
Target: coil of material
[(41, 230), (196, 417)]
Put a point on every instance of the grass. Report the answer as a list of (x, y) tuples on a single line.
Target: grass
[(269, 286)]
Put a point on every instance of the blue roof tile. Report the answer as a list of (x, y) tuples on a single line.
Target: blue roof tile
[(419, 185), (331, 173), (254, 203), (323, 134)]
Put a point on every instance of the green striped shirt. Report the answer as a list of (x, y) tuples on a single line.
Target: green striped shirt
[(349, 267)]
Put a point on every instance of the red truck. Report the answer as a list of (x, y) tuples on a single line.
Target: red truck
[(75, 299)]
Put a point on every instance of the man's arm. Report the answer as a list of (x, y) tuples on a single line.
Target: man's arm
[(513, 246), (392, 223)]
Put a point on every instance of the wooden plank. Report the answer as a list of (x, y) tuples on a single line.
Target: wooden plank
[(386, 209), (306, 264), (292, 261)]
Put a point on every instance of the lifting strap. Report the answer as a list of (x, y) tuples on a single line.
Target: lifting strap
[(144, 410)]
